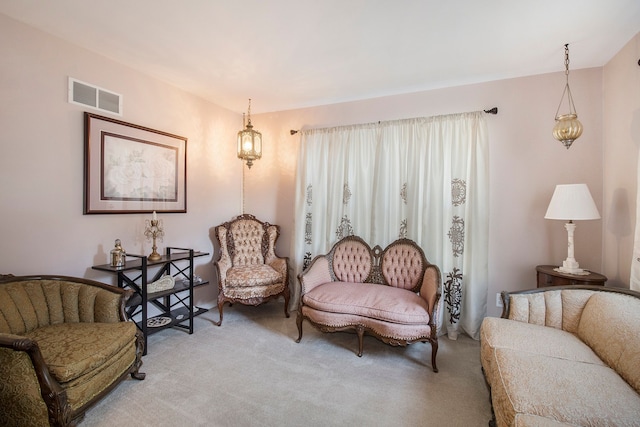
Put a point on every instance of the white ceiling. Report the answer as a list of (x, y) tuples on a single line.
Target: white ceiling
[(287, 54)]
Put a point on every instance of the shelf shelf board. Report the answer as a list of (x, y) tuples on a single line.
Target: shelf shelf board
[(178, 316), (136, 299)]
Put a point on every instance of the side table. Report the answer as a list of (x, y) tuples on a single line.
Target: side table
[(547, 276)]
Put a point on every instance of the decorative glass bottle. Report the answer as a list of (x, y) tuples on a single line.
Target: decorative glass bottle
[(118, 255)]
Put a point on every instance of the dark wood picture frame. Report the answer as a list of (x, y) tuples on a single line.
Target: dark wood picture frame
[(132, 169)]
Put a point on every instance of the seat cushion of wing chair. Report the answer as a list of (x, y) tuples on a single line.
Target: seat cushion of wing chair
[(254, 275)]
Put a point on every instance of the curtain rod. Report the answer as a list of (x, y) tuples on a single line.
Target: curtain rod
[(493, 110)]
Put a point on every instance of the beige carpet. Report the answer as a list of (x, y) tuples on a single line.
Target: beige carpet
[(251, 372)]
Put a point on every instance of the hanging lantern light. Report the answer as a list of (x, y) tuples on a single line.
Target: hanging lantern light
[(249, 141), (568, 128)]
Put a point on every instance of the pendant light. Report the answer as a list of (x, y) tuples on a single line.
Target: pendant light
[(249, 141), (568, 128)]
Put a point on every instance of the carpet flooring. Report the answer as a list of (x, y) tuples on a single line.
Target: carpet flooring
[(251, 372)]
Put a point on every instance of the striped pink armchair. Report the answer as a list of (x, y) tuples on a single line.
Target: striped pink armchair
[(249, 271)]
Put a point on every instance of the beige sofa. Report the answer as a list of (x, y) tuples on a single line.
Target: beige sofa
[(564, 356), (64, 343), (391, 294)]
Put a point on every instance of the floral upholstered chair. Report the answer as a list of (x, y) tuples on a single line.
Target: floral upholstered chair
[(249, 271)]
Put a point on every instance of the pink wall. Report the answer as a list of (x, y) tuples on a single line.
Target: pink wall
[(41, 168), (621, 111)]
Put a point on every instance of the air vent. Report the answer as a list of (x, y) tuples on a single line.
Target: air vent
[(82, 93)]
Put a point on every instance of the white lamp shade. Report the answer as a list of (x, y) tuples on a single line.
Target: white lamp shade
[(572, 202)]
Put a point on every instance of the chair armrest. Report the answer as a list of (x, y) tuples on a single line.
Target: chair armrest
[(281, 265), (316, 274), (55, 398), (430, 288), (223, 263)]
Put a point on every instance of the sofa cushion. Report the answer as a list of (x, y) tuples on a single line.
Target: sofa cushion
[(369, 300), (610, 324), (535, 339), (73, 349), (527, 420), (578, 393), (544, 308), (558, 309), (86, 387)]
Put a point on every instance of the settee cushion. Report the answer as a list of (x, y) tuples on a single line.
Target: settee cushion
[(578, 393), (369, 300), (73, 349), (610, 325)]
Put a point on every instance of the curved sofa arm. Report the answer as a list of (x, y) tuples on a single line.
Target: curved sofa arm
[(108, 303), (55, 398), (316, 274)]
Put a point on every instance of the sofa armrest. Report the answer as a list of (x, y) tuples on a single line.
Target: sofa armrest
[(109, 303), (316, 274), (55, 398), (430, 287)]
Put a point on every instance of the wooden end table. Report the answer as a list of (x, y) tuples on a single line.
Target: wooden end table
[(547, 276)]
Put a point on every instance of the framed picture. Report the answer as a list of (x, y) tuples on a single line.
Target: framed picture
[(132, 169)]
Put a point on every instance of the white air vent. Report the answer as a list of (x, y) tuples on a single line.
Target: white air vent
[(82, 93)]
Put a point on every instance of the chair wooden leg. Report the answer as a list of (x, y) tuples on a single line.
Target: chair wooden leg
[(434, 350), (299, 323), (286, 302), (220, 305), (135, 372), (360, 331)]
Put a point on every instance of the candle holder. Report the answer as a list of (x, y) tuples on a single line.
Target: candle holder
[(153, 230)]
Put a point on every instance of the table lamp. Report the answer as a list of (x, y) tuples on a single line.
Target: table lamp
[(572, 202)]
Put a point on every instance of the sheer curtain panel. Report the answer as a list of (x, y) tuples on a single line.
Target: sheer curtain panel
[(425, 179)]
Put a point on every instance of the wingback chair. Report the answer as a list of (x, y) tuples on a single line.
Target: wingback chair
[(249, 271)]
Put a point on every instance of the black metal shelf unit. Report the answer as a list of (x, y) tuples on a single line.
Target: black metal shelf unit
[(175, 304)]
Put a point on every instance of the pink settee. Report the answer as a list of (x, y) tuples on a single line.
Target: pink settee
[(391, 294)]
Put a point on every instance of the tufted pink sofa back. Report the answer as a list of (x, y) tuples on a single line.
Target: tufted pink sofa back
[(402, 266), (352, 261)]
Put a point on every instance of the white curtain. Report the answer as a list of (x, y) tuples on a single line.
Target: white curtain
[(425, 179)]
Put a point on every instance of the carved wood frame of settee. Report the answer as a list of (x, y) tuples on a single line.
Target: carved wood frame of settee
[(377, 276)]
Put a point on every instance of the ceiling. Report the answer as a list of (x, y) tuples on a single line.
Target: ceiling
[(287, 54)]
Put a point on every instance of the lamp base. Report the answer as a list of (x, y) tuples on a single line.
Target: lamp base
[(570, 266)]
